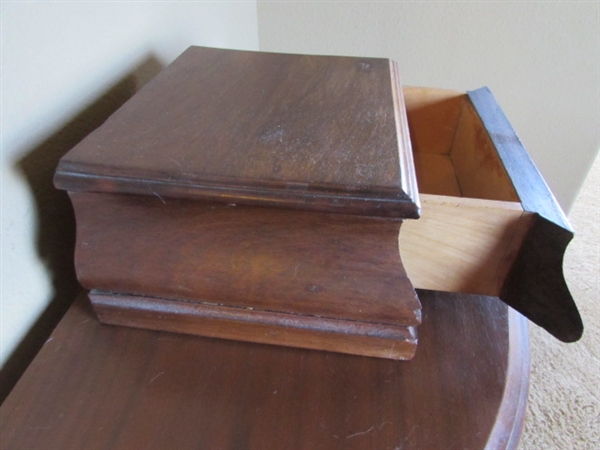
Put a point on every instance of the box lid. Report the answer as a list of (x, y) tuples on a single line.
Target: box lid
[(321, 133)]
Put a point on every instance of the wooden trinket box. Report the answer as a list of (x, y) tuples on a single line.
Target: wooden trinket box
[(252, 196), (259, 196)]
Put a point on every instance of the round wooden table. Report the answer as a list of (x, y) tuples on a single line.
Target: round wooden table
[(94, 386)]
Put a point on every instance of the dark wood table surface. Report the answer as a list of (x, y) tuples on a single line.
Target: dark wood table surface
[(95, 386)]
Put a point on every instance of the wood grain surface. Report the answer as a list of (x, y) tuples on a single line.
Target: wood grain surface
[(536, 284), (252, 325), (313, 280), (309, 132), (99, 387), (305, 263)]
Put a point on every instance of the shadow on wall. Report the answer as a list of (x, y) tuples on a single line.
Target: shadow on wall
[(55, 240)]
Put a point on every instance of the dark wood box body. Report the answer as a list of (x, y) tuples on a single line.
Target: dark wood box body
[(259, 197), (253, 196)]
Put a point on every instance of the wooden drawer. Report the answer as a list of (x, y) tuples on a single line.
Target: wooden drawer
[(489, 224)]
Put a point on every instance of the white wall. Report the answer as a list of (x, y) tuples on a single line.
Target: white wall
[(57, 59), (540, 59)]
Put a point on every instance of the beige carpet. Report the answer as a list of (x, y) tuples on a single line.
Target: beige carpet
[(564, 392)]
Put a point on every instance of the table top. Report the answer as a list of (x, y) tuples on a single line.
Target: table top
[(97, 386)]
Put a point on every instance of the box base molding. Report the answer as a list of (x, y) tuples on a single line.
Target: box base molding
[(265, 327)]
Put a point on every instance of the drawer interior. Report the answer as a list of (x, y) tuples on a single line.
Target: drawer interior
[(452, 151), (472, 223)]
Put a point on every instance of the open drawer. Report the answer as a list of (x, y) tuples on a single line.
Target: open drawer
[(489, 224)]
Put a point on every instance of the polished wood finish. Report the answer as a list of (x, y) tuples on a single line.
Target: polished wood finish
[(489, 223), (335, 281), (304, 263), (310, 132), (254, 196), (536, 284), (95, 386), (251, 325), (324, 143)]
